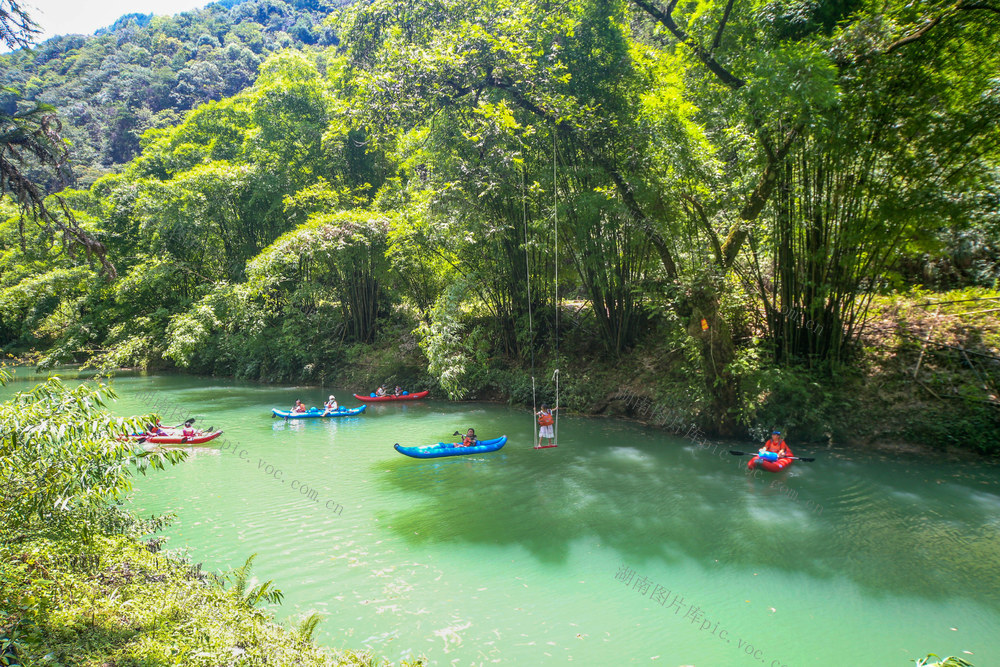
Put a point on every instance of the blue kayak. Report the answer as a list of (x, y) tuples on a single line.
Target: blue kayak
[(315, 413), (452, 449)]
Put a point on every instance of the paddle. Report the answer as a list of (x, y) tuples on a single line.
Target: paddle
[(793, 458)]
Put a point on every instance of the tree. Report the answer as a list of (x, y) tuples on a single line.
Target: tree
[(61, 452), (16, 27), (31, 139)]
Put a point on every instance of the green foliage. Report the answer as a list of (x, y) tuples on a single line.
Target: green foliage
[(443, 343), (762, 171), (950, 661), (798, 401), (248, 594), (307, 626), (60, 452), (118, 599)]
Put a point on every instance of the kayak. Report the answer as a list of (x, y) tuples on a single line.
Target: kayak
[(315, 413), (405, 397), (771, 466), (452, 449), (179, 439)]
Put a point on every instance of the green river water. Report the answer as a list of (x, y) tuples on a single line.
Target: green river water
[(623, 545)]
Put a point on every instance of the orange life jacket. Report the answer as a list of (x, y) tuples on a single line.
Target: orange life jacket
[(468, 442), (780, 446), (545, 419)]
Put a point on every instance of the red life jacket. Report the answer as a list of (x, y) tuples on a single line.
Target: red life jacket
[(545, 419), (781, 445)]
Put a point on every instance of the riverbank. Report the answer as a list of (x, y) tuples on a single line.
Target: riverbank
[(116, 601), (925, 376)]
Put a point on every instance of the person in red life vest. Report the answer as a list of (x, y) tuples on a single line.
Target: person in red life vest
[(545, 422), (469, 439), (189, 431), (299, 407), (776, 444), (156, 428)]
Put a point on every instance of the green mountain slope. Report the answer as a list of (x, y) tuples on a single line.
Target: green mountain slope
[(145, 71)]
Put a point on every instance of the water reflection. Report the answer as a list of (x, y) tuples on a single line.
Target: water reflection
[(895, 530)]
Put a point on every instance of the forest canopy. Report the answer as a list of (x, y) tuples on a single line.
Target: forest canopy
[(512, 181)]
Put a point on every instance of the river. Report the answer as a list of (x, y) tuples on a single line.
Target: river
[(624, 544)]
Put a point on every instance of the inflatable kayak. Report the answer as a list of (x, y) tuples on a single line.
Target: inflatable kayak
[(179, 439), (452, 449), (315, 413), (770, 464), (404, 397)]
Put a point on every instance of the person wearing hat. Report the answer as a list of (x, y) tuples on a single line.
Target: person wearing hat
[(777, 445), (330, 406)]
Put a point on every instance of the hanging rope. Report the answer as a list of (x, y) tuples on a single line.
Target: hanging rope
[(527, 267), (555, 227), (527, 273)]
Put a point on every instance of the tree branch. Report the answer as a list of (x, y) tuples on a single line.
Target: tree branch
[(713, 238), (624, 187), (738, 233), (722, 26), (664, 17), (921, 32)]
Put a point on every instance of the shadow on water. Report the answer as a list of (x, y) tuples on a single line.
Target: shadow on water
[(895, 529)]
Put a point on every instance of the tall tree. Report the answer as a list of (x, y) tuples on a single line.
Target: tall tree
[(30, 139)]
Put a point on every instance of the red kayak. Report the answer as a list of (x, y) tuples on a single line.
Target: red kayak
[(179, 439), (389, 397), (771, 466)]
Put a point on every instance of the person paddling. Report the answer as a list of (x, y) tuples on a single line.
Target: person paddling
[(469, 439), (299, 407), (156, 428), (776, 444)]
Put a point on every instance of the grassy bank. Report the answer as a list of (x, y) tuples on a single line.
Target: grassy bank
[(116, 601)]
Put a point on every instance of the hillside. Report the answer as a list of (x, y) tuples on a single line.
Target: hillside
[(145, 71)]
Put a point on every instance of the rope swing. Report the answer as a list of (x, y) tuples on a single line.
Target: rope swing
[(527, 273), (555, 234), (553, 416)]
